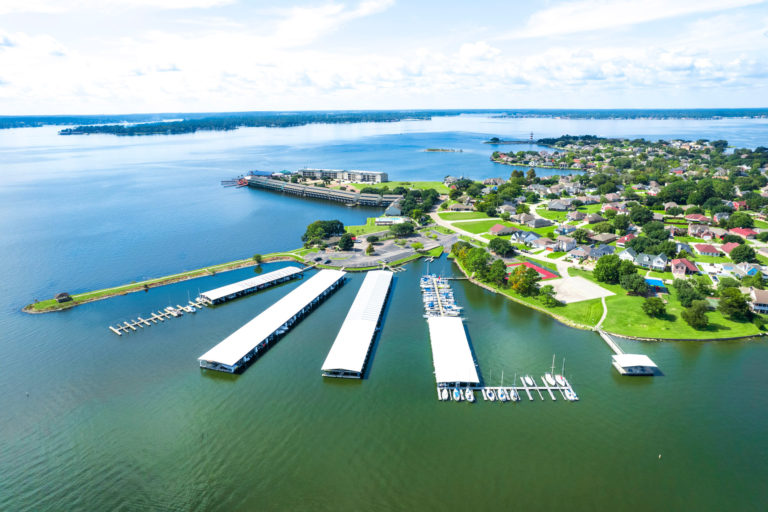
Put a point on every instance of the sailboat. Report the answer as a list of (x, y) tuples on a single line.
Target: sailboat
[(502, 394), (559, 378), (469, 395), (443, 394), (457, 394), (548, 376)]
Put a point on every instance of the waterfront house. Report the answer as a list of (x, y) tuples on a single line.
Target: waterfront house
[(394, 209), (758, 300), (501, 230), (659, 262), (682, 266), (706, 250)]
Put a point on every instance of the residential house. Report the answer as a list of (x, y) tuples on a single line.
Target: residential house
[(706, 250), (493, 182), (612, 197), (564, 229), (539, 223), (593, 218), (543, 243), (727, 248), (501, 230), (721, 216), (621, 242), (682, 246), (718, 233), (508, 208), (558, 206), (744, 232), (699, 231), (459, 207), (682, 266), (697, 218), (524, 237), (599, 251), (670, 204), (676, 230), (659, 262), (565, 243), (604, 238), (628, 254), (522, 218), (644, 260), (581, 252), (576, 215), (758, 300)]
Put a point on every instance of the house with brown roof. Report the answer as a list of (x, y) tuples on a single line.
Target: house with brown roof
[(698, 218), (744, 232), (758, 300), (682, 266), (576, 215), (593, 218), (727, 248), (604, 238), (706, 250)]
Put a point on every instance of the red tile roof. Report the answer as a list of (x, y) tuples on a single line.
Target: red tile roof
[(688, 264), (706, 248), (743, 231), (727, 248)]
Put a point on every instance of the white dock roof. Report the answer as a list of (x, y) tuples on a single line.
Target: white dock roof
[(234, 347), (253, 282), (350, 349), (450, 350), (629, 360)]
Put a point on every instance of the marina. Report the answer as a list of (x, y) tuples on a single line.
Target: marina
[(629, 364), (239, 348), (254, 284), (351, 349), (155, 317), (509, 393)]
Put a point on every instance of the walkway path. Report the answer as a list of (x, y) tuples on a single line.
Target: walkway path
[(605, 313)]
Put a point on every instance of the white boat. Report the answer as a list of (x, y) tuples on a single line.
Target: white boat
[(513, 395), (570, 395), (457, 394), (443, 394), (560, 380), (549, 378), (528, 381), (469, 395), (491, 395), (503, 395)]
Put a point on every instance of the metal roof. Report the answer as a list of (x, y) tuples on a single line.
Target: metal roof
[(237, 345), (450, 351), (253, 282), (629, 360), (350, 349)]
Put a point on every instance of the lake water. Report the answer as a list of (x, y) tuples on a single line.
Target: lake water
[(92, 421)]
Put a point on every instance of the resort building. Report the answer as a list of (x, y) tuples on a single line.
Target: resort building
[(353, 176)]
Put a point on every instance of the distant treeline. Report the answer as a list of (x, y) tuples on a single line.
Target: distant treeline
[(654, 113), (232, 122), (36, 121)]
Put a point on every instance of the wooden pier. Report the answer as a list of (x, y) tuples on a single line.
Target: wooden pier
[(156, 317)]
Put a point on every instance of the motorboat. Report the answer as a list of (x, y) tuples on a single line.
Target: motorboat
[(528, 381), (443, 394), (491, 395), (560, 380), (469, 395), (503, 395), (549, 378), (513, 395), (570, 395), (457, 394)]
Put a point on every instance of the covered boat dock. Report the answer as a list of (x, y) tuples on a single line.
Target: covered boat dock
[(236, 350), (451, 355), (349, 354), (634, 364), (253, 284)]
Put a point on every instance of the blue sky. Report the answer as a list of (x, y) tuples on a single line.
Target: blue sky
[(119, 56)]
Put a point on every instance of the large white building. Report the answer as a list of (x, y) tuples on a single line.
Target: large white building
[(352, 176)]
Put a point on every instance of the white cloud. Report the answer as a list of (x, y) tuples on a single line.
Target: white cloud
[(60, 6), (590, 15)]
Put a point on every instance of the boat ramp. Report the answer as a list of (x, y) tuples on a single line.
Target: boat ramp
[(235, 351), (350, 351)]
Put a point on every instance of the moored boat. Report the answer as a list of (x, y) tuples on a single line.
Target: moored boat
[(528, 381), (550, 380), (491, 395), (469, 395), (443, 394), (457, 394), (503, 395), (560, 380)]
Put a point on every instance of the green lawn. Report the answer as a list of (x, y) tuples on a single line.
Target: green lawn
[(710, 259), (421, 185), (480, 226), (661, 275), (625, 316), (441, 229), (590, 208), (555, 255), (552, 215), (761, 224), (369, 227), (462, 215)]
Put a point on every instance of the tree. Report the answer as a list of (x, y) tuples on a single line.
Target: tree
[(733, 238), (258, 258), (733, 304), (402, 229), (654, 307), (321, 229), (524, 280), (547, 296), (743, 253), (523, 208), (686, 292), (369, 250), (345, 242), (501, 247), (626, 267), (607, 269), (602, 227), (640, 215), (696, 315), (621, 223), (476, 261), (674, 211), (580, 235), (634, 283), (531, 174), (740, 220), (372, 239), (497, 272)]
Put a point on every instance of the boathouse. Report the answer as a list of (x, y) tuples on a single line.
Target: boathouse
[(350, 351), (253, 284), (451, 355), (634, 364), (235, 351)]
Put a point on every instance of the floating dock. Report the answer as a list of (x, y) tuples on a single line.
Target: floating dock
[(160, 316), (253, 284), (515, 393), (236, 350), (349, 354)]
